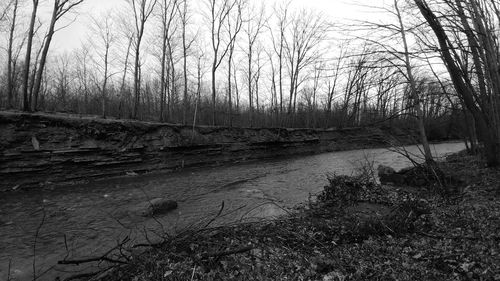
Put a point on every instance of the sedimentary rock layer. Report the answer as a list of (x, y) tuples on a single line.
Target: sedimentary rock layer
[(41, 149)]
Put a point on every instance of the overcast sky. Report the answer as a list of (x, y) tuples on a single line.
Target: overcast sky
[(72, 36)]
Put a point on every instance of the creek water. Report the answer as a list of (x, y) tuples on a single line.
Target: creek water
[(40, 227)]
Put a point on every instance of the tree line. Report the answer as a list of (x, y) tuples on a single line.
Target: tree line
[(429, 64)]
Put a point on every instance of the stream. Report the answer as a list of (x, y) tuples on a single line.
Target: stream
[(86, 220)]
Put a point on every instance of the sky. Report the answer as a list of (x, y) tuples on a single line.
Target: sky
[(71, 37)]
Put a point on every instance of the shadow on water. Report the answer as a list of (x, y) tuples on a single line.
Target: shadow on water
[(85, 220)]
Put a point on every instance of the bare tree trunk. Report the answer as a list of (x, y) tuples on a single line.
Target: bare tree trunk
[(229, 90), (122, 86), (162, 80), (409, 71), (142, 12), (27, 60), (214, 108), (183, 14), (168, 11), (61, 7), (487, 131), (236, 89), (10, 74), (105, 81), (218, 16)]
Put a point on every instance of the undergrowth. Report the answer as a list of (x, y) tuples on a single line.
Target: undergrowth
[(355, 230)]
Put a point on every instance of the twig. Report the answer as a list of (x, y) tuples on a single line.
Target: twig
[(270, 202), (34, 243), (8, 270), (66, 246), (218, 214), (194, 271), (104, 257)]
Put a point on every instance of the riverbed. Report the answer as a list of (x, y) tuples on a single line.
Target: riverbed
[(40, 227)]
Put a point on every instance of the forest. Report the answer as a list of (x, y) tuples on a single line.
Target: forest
[(432, 65), (173, 140)]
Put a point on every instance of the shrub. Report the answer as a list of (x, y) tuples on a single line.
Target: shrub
[(344, 190)]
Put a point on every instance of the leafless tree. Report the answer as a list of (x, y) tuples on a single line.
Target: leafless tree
[(393, 43), (253, 28), (219, 13), (106, 38), (27, 60), (142, 10), (413, 87), (468, 35), (307, 31), (60, 8), (82, 72), (278, 40), (10, 54), (233, 31), (182, 7), (169, 9)]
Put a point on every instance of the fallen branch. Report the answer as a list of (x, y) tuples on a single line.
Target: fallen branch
[(8, 270), (103, 258), (38, 229), (218, 215)]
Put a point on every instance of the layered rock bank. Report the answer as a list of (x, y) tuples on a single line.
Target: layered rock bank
[(42, 149)]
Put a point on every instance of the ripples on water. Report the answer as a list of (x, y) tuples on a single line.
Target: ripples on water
[(86, 220)]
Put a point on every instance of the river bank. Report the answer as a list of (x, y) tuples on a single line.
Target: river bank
[(364, 232), (87, 220), (46, 149)]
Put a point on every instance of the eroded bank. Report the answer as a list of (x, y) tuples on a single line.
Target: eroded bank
[(40, 149)]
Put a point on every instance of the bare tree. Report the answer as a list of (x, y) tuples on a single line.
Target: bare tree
[(233, 31), (253, 29), (124, 76), (27, 60), (278, 41), (182, 7), (106, 37), (219, 13), (82, 72), (61, 80), (413, 87), (395, 49), (168, 13), (60, 8), (10, 55), (199, 77), (142, 10), (333, 80), (307, 32), (473, 38)]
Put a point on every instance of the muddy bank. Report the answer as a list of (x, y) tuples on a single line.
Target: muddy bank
[(41, 149)]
